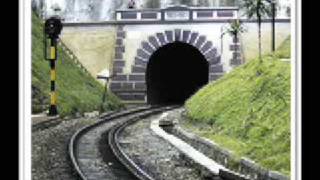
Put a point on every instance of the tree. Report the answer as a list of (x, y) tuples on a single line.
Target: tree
[(153, 4), (235, 29), (186, 2), (257, 9)]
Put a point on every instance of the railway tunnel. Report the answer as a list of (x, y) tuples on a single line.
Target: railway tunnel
[(175, 72)]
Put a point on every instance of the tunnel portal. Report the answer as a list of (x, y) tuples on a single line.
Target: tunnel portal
[(174, 72)]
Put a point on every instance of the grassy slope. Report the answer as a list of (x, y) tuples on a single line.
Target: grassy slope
[(77, 91), (284, 50), (248, 113)]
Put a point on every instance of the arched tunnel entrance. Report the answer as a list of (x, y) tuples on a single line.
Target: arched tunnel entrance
[(174, 72)]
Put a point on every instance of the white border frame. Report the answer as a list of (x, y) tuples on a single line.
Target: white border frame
[(25, 90)]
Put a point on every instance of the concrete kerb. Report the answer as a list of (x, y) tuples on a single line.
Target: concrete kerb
[(212, 150), (208, 168)]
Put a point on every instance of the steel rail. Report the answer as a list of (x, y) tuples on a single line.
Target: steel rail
[(113, 141), (132, 115)]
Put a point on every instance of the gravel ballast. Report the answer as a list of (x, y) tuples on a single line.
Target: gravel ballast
[(156, 156), (50, 160)]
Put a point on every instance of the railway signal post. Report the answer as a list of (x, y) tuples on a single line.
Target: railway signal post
[(105, 75), (52, 30)]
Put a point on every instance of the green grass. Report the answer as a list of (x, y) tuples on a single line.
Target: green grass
[(284, 49), (248, 111), (76, 90)]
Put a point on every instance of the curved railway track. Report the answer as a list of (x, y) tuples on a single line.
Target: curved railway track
[(95, 152), (46, 124), (56, 121)]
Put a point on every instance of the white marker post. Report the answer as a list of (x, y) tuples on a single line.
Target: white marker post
[(104, 75)]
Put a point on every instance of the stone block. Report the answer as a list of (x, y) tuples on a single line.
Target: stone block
[(234, 47), (149, 15), (204, 14), (272, 175), (161, 38), (127, 86), (225, 174), (169, 35), (117, 70), (120, 77), (140, 62), (235, 40), (120, 27), (249, 167), (185, 35), (216, 68), (206, 46), (119, 49), (119, 42), (121, 34), (137, 77), (147, 47), (131, 96), (128, 15), (225, 13), (142, 54), (213, 77), (118, 55), (200, 41), (115, 85), (154, 42), (235, 62), (236, 55), (118, 63), (140, 86), (177, 34), (211, 54), (138, 69), (193, 37)]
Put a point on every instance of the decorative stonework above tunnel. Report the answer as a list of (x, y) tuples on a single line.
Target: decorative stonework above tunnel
[(133, 86)]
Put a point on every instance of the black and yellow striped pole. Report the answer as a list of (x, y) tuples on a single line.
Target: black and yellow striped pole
[(53, 27), (53, 98)]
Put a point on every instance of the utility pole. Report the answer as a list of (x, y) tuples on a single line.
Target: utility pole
[(52, 29), (104, 76), (273, 9)]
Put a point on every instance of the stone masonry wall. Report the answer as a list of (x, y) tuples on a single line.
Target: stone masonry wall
[(132, 86)]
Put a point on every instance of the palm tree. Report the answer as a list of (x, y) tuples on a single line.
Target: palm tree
[(257, 9), (235, 29)]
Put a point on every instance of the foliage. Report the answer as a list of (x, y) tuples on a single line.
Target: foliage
[(77, 91), (186, 2), (284, 49), (248, 112), (257, 9), (235, 28), (153, 4), (228, 3)]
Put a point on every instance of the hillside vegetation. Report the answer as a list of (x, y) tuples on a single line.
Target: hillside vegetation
[(248, 111), (77, 91), (284, 50)]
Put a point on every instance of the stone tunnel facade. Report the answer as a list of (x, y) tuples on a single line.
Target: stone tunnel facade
[(142, 34), (132, 86)]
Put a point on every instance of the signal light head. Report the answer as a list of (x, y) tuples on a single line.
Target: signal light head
[(53, 27)]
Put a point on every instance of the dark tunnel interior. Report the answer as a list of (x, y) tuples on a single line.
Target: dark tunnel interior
[(175, 72)]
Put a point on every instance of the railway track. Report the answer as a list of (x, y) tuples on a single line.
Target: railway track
[(46, 124), (95, 152), (55, 121)]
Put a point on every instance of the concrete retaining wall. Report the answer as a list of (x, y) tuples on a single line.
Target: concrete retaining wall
[(225, 157)]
